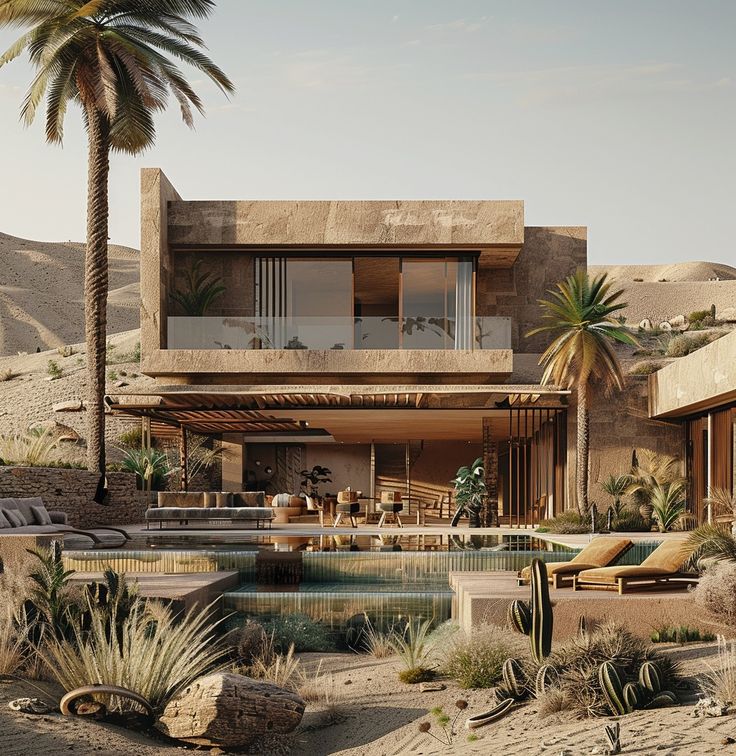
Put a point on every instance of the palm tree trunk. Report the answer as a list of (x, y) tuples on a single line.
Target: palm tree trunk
[(581, 474), (96, 284)]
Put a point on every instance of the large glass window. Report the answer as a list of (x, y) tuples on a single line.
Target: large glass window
[(437, 303)]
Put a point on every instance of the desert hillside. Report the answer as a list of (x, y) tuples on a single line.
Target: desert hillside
[(41, 293), (660, 292)]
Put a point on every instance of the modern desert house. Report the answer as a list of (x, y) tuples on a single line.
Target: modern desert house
[(384, 340)]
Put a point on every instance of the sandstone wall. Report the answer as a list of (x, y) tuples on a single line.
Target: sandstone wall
[(546, 258), (71, 491), (619, 424)]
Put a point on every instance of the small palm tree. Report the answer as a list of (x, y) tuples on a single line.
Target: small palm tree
[(722, 506), (616, 487), (115, 60), (668, 504), (202, 289), (580, 316), (650, 470)]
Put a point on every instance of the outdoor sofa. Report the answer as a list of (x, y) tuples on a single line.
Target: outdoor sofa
[(662, 569), (207, 507), (29, 516), (600, 552)]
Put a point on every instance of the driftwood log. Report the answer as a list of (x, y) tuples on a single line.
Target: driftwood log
[(229, 710)]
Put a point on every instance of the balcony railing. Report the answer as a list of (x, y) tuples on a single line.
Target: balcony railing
[(320, 333)]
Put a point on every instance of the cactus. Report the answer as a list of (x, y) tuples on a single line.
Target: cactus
[(633, 696), (540, 634), (650, 678), (493, 715), (612, 688), (662, 699), (547, 676), (515, 680), (613, 733), (713, 311), (520, 617), (582, 626)]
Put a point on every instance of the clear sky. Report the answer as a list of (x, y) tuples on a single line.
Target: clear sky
[(617, 114)]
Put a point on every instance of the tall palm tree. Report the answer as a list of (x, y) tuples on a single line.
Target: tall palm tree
[(579, 316), (115, 59)]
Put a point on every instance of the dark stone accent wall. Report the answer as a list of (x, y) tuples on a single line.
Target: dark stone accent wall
[(71, 491), (546, 258)]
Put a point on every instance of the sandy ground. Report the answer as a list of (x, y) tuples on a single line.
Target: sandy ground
[(378, 716), (41, 293)]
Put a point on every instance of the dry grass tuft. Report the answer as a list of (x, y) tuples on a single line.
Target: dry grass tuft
[(720, 682), (377, 643)]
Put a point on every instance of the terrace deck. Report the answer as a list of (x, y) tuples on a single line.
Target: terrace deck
[(484, 597), (197, 589)]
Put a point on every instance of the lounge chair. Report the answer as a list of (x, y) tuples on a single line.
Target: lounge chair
[(599, 552), (660, 570)]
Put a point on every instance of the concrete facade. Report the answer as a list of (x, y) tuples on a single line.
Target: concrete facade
[(700, 381)]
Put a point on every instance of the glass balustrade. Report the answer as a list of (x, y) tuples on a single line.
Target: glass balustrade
[(324, 333)]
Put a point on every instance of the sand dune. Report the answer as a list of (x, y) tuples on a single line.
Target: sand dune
[(41, 293), (686, 271)]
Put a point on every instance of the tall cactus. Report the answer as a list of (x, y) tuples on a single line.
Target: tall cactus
[(541, 630), (535, 620)]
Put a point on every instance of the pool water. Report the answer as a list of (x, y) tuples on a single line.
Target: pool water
[(333, 578)]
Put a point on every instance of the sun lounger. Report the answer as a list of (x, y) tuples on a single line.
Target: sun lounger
[(661, 570), (601, 551)]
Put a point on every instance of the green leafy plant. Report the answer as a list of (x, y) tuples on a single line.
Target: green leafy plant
[(300, 631), (650, 469), (414, 649), (131, 439), (668, 504), (151, 467), (54, 370), (616, 487), (470, 492), (314, 478), (202, 289), (682, 634)]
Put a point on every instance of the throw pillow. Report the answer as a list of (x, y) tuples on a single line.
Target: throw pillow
[(41, 515), (15, 518), (3, 520)]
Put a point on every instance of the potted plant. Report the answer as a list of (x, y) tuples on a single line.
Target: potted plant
[(312, 479), (470, 493)]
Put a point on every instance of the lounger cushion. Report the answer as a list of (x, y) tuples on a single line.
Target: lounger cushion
[(670, 555), (600, 552), (611, 574)]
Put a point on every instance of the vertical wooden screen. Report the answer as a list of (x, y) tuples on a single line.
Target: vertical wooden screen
[(697, 464), (721, 450)]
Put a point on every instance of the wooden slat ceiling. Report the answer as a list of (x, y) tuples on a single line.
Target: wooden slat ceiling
[(347, 416)]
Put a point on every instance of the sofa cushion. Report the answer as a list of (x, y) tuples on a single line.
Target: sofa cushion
[(41, 515), (249, 499), (181, 499), (4, 523), (223, 499), (58, 517), (24, 506), (15, 518)]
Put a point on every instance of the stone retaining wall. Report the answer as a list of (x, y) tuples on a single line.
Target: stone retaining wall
[(71, 491)]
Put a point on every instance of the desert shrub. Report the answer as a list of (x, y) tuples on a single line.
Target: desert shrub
[(681, 634), (577, 663), (155, 654), (698, 315), (720, 682), (638, 280), (251, 642), (283, 670), (112, 375), (7, 375), (54, 370), (65, 351), (682, 345), (629, 521), (414, 649), (571, 521), (131, 439), (476, 661), (644, 368), (300, 631), (376, 642), (716, 591), (150, 466), (32, 448)]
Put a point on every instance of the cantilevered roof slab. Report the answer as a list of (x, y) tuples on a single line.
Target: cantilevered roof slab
[(703, 380)]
